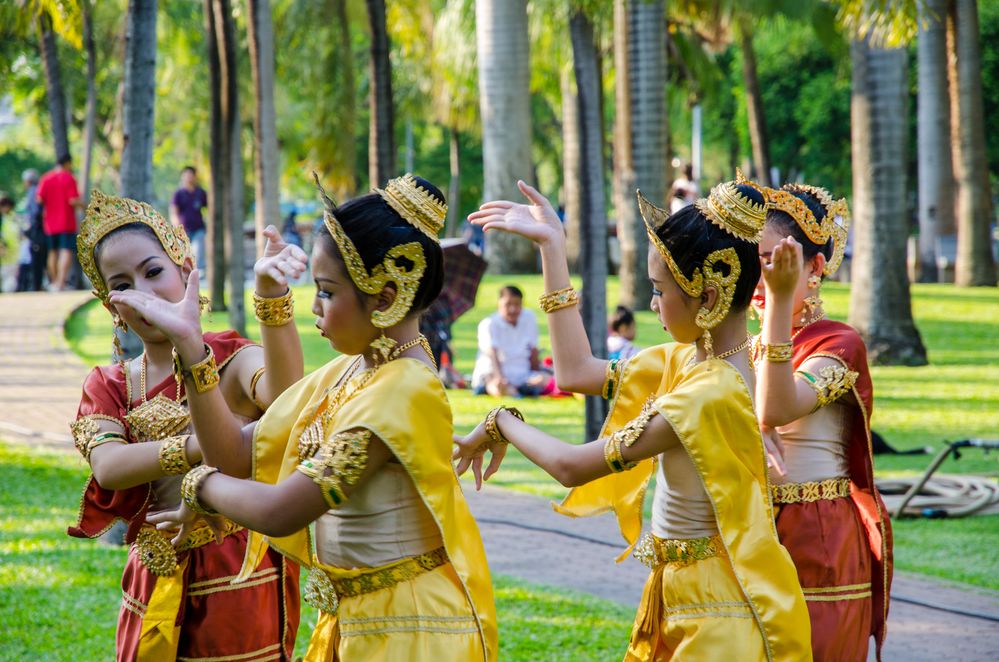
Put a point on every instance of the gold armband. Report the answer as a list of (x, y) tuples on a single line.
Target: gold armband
[(558, 299), (780, 352), (832, 382), (87, 433), (173, 456), (204, 373), (275, 311), (253, 387), (190, 486), (613, 458), (612, 380), (493, 430), (338, 464)]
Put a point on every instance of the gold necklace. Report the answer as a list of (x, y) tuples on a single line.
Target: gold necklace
[(743, 345), (142, 376), (418, 340)]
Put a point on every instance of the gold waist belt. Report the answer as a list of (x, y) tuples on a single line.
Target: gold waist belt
[(159, 556), (654, 552), (816, 490), (323, 591)]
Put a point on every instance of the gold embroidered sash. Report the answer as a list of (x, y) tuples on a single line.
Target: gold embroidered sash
[(829, 489)]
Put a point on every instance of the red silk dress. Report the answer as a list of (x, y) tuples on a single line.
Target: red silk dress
[(193, 612), (842, 547)]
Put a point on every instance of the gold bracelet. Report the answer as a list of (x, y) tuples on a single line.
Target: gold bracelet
[(613, 458), (492, 429), (610, 380), (204, 373), (190, 486), (274, 311), (558, 299), (779, 352), (173, 456)]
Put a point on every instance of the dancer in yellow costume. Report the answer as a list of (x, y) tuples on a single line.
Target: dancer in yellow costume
[(361, 448), (721, 587)]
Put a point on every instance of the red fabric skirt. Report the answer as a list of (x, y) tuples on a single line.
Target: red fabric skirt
[(255, 620), (829, 547)]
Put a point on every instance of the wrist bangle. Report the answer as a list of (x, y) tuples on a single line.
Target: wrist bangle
[(558, 299), (173, 456), (274, 311), (492, 429), (780, 352), (190, 486), (204, 373)]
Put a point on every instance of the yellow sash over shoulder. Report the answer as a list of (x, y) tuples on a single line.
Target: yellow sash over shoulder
[(710, 408), (404, 405)]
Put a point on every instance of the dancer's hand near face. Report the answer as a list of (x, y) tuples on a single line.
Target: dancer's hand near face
[(281, 264), (782, 273), (536, 221), (179, 321)]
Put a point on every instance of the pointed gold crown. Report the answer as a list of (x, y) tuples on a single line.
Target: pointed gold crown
[(415, 204), (107, 213), (705, 275), (835, 222), (405, 276), (733, 212)]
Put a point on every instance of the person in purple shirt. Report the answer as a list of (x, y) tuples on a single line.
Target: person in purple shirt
[(186, 209)]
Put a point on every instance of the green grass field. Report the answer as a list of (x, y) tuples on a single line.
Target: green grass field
[(955, 397)]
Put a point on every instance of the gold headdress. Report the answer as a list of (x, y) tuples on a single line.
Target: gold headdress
[(405, 277), (107, 213), (835, 223), (415, 204), (733, 212), (706, 275)]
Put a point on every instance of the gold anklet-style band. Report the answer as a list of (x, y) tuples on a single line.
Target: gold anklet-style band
[(274, 311)]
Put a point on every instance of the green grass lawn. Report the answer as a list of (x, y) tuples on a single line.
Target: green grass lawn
[(59, 596), (955, 397)]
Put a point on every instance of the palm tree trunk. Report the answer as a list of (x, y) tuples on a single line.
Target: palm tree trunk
[(975, 263), (266, 158), (639, 133), (504, 101), (53, 84), (90, 118), (216, 224), (232, 161), (754, 104), (589, 190), (880, 307), (381, 137), (936, 172), (140, 101), (454, 185), (571, 163)]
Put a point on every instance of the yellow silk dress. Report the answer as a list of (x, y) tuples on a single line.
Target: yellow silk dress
[(446, 613), (743, 603)]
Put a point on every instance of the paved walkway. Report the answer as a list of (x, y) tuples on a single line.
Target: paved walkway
[(40, 382)]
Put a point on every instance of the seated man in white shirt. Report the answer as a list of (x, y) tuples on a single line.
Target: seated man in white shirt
[(508, 362)]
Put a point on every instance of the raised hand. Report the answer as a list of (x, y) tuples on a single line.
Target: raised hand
[(183, 520), (782, 273), (470, 451), (177, 321), (536, 221), (281, 263)]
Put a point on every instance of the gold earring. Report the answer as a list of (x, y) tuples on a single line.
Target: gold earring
[(814, 281), (704, 321), (119, 327), (204, 303)]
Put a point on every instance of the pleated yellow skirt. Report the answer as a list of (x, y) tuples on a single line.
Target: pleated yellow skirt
[(695, 612), (426, 618)]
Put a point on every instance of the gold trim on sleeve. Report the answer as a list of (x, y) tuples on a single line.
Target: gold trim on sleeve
[(832, 383), (338, 464)]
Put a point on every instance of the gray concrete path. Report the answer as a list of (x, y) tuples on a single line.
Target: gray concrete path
[(40, 380), (40, 377)]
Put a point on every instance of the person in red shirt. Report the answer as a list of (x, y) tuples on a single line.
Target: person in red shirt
[(60, 197)]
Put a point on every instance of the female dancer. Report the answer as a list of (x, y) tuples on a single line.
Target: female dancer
[(815, 389), (361, 447), (721, 585), (133, 429)]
